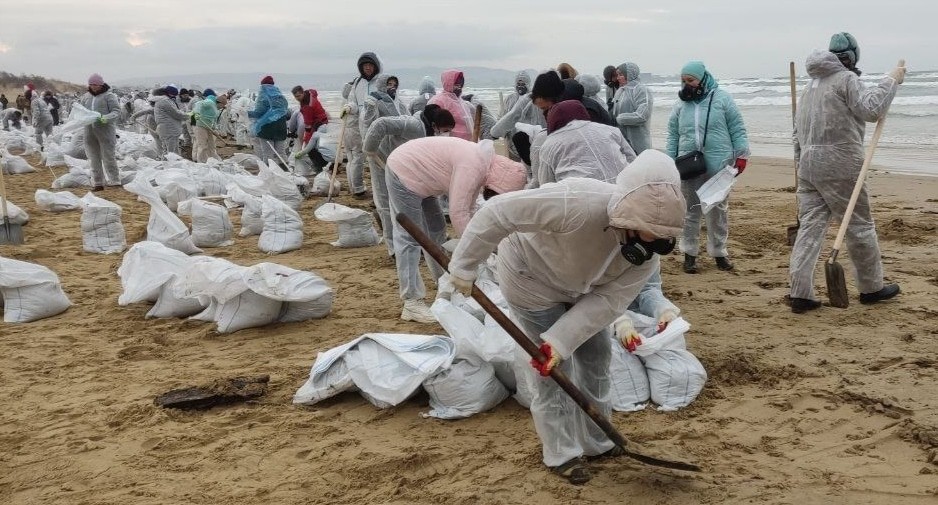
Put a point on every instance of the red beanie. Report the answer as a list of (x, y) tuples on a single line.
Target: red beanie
[(267, 80)]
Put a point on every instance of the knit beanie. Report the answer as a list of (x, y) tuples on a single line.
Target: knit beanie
[(96, 80), (547, 85), (846, 44), (171, 91), (695, 69), (208, 92), (563, 113), (267, 80)]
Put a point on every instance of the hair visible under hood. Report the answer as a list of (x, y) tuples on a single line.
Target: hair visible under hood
[(368, 58), (562, 113), (449, 79), (648, 196), (822, 63), (567, 71), (629, 70)]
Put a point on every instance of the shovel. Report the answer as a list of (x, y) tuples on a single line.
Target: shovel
[(338, 156), (10, 233), (631, 450), (792, 231), (833, 271), (477, 124)]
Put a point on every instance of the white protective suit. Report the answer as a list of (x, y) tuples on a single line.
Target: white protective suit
[(581, 149), (832, 116), (566, 294), (40, 117), (101, 139), (631, 109), (356, 94)]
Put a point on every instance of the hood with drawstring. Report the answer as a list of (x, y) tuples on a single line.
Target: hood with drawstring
[(648, 196), (368, 58)]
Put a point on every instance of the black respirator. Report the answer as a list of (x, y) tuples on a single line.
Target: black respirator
[(637, 251), (688, 93)]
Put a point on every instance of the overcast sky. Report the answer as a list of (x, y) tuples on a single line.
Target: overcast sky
[(120, 39)]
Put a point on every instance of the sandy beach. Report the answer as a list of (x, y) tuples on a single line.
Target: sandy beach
[(834, 406)]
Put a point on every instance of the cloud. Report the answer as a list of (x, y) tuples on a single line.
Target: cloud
[(137, 38), (4, 48)]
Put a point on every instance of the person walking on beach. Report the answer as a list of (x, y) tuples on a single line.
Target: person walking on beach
[(831, 120), (706, 119)]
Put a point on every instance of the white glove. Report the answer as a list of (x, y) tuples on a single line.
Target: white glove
[(463, 286), (898, 74), (625, 330)]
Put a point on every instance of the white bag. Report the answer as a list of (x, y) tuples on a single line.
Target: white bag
[(211, 226), (304, 294), (321, 184), (386, 368), (629, 389), (59, 201), (52, 155), (356, 227), (15, 213), (77, 177), (717, 188), (170, 304), (145, 268), (163, 226), (101, 228), (252, 216), (79, 117), (280, 185), (675, 377), (247, 310), (231, 304), (283, 228), (11, 164), (29, 292), (466, 388), (174, 192), (473, 339)]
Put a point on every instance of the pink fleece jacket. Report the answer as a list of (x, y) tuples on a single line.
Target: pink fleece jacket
[(461, 110), (433, 166)]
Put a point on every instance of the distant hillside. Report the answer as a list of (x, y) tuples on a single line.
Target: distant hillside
[(10, 82)]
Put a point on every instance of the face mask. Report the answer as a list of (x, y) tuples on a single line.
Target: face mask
[(636, 251), (521, 89), (689, 93), (392, 92), (457, 90)]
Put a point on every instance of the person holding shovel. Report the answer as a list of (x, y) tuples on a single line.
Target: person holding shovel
[(565, 294), (832, 116)]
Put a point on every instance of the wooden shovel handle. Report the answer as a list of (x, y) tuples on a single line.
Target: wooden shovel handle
[(477, 124)]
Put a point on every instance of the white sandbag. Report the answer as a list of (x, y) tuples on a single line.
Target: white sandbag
[(280, 185), (52, 155), (386, 368), (252, 216), (466, 388), (356, 227), (247, 161), (211, 226), (525, 378), (717, 188), (675, 378), (283, 228), (75, 147), (321, 184), (473, 339), (211, 182), (175, 190), (14, 213), (628, 388), (20, 142), (76, 177), (145, 268), (57, 201), (304, 294), (163, 226), (672, 338), (29, 292), (11, 164), (222, 287), (247, 310), (79, 117), (170, 304), (101, 229)]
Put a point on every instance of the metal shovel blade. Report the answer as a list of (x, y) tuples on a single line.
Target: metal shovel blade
[(836, 284), (11, 233)]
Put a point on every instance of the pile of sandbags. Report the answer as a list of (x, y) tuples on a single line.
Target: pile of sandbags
[(29, 292)]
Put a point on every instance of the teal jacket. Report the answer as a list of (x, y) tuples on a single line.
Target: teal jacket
[(208, 113), (726, 135)]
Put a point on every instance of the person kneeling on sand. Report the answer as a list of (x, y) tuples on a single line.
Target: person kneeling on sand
[(566, 294)]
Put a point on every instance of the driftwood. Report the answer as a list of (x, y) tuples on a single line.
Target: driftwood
[(219, 392)]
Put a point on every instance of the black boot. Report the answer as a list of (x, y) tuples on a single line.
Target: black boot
[(888, 291), (802, 305), (690, 264), (723, 263)]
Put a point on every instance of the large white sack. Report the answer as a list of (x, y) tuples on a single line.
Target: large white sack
[(675, 377), (52, 155), (174, 192), (79, 117), (628, 387), (283, 228), (29, 292), (11, 164), (163, 226), (57, 201), (280, 185), (466, 388), (15, 214), (386, 368), (170, 304), (717, 188), (145, 268), (247, 161), (211, 226), (211, 182), (22, 142), (672, 338), (305, 295), (76, 177), (222, 287), (247, 310), (101, 229), (356, 227), (321, 184), (252, 215)]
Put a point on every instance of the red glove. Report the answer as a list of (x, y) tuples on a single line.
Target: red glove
[(740, 165), (550, 360)]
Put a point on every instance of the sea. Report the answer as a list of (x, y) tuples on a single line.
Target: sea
[(909, 143)]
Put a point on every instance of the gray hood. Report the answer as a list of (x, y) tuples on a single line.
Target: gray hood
[(630, 71), (426, 86), (591, 84), (822, 63)]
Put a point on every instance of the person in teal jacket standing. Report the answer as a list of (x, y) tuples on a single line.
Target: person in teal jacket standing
[(726, 144)]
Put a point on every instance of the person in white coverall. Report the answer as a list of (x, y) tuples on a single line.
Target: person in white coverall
[(40, 115), (572, 256), (101, 136), (831, 120), (632, 106), (355, 92)]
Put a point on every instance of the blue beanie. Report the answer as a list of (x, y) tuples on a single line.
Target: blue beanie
[(208, 92), (695, 69), (171, 90), (845, 44)]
